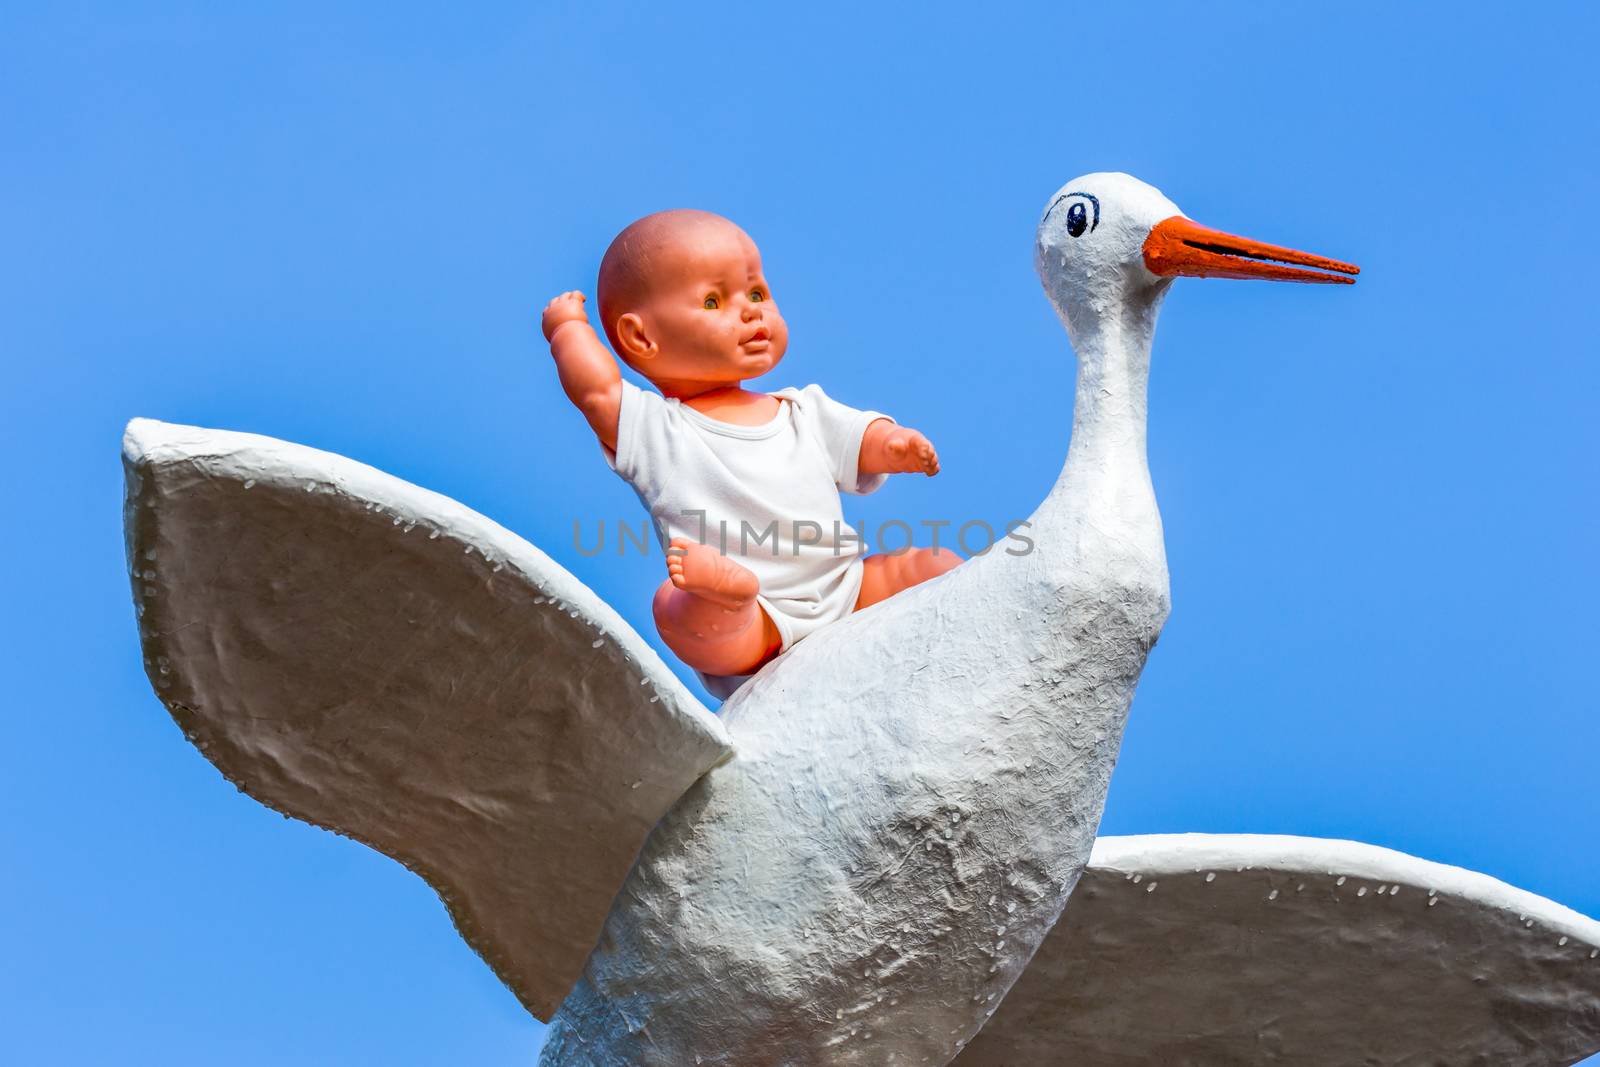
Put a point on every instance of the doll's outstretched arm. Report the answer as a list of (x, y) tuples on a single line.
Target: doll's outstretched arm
[(588, 371), (887, 448)]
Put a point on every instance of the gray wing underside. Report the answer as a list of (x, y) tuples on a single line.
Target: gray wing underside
[(1211, 949), (379, 660)]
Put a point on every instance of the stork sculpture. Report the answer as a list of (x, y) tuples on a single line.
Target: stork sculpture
[(859, 859)]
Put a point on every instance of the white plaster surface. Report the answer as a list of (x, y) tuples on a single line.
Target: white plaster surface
[(918, 785), (381, 661), (1240, 949)]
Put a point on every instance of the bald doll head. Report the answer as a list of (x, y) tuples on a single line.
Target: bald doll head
[(682, 298)]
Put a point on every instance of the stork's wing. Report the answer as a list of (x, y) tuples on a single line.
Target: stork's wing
[(381, 661), (1201, 949)]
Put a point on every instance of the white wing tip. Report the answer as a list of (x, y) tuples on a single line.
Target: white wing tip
[(143, 438), (140, 437)]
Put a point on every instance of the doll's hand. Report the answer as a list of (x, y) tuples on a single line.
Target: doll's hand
[(568, 307), (910, 452)]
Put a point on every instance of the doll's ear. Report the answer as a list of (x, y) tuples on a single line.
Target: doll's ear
[(631, 336)]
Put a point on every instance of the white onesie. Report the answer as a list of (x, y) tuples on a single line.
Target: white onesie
[(766, 495)]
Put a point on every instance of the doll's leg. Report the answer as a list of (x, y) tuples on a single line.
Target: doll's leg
[(706, 611), (888, 573)]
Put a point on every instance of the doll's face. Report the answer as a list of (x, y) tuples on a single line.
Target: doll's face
[(708, 315)]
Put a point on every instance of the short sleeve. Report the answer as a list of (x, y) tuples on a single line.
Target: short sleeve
[(641, 416), (839, 428)]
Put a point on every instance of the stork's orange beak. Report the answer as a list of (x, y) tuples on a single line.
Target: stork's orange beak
[(1181, 248)]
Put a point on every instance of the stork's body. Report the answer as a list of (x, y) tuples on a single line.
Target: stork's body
[(896, 837)]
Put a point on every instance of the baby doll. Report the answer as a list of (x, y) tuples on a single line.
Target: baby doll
[(743, 487)]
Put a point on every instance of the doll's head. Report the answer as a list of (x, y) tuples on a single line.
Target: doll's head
[(683, 301)]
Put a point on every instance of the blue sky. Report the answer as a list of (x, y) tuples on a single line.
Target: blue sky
[(335, 225)]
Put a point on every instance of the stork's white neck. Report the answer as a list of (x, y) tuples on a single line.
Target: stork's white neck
[(1110, 412), (1105, 483)]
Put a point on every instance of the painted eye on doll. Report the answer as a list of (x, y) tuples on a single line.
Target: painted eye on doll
[(710, 303), (758, 295)]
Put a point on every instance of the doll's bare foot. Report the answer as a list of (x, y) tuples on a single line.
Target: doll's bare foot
[(707, 612), (704, 572)]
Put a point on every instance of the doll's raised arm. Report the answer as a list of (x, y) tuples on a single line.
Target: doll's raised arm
[(588, 370), (887, 448)]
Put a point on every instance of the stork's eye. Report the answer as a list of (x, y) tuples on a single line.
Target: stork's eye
[(1079, 203), (1077, 219)]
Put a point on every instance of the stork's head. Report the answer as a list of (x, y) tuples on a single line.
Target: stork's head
[(1109, 244)]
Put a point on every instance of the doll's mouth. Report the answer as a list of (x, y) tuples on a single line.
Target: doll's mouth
[(760, 335)]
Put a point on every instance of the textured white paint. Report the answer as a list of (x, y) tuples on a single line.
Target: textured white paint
[(1262, 949), (379, 660), (918, 775)]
